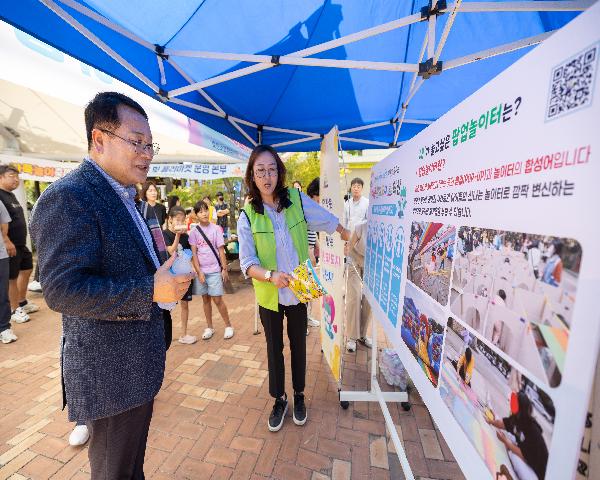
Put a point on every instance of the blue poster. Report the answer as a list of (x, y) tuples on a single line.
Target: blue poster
[(397, 257)]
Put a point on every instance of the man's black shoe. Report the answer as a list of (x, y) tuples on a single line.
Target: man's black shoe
[(299, 409), (278, 414)]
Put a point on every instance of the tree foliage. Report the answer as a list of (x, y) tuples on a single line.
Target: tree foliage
[(303, 167)]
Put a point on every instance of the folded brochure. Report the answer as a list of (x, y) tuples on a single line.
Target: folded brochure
[(306, 284)]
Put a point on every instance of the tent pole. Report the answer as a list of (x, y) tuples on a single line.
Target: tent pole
[(107, 23), (499, 50), (161, 69), (526, 6), (287, 130), (200, 108), (411, 92), (299, 140), (297, 60), (366, 142), (338, 42), (99, 43), (431, 31), (232, 120), (447, 27)]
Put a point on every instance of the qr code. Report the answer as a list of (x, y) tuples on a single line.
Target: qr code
[(571, 85)]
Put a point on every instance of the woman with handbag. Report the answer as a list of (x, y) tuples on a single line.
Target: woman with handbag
[(272, 232), (205, 239)]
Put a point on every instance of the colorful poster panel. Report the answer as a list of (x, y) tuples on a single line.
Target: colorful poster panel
[(430, 258), (422, 331), (332, 258), (518, 291), (507, 418)]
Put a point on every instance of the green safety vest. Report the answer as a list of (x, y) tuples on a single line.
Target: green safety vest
[(267, 294)]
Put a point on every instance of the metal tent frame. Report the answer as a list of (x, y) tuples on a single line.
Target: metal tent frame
[(253, 132)]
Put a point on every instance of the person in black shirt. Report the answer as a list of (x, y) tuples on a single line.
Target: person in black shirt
[(176, 235), (21, 260), (530, 445), (150, 204), (222, 210)]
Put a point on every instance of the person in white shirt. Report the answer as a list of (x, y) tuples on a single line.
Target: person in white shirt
[(358, 310), (356, 207)]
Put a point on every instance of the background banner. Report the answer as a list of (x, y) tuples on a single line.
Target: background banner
[(38, 169), (197, 171), (332, 257), (483, 260)]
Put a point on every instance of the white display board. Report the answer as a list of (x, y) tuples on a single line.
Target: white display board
[(483, 260), (332, 257)]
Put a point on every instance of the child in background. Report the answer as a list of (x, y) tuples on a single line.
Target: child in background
[(176, 235), (211, 269)]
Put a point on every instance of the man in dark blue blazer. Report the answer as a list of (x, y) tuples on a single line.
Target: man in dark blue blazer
[(99, 267)]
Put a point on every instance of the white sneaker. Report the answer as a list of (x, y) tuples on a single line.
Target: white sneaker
[(19, 316), (366, 341), (30, 308), (351, 345), (208, 333), (34, 287), (79, 436), (188, 339), (7, 336), (313, 323), (228, 333)]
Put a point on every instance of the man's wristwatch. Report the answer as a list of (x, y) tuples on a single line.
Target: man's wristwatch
[(268, 275)]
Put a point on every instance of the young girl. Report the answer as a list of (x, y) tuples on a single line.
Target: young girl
[(176, 235), (211, 269)]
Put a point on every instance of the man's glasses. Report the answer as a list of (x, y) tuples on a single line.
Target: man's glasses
[(261, 172), (151, 149)]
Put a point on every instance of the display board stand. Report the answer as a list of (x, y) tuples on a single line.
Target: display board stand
[(375, 394)]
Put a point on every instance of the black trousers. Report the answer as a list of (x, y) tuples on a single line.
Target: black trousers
[(272, 323), (118, 444), (5, 311)]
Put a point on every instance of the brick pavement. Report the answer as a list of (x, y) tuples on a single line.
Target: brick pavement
[(211, 414)]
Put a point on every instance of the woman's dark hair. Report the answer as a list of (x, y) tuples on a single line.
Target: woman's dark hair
[(145, 187), (172, 201), (103, 112), (200, 206), (281, 192), (468, 354), (558, 247), (176, 210), (313, 188), (525, 405)]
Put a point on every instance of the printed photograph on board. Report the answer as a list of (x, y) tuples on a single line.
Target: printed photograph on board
[(507, 418), (518, 291), (423, 331), (430, 258)]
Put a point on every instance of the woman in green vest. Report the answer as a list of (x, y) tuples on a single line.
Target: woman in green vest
[(272, 233)]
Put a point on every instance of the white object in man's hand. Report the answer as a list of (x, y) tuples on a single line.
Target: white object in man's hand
[(168, 287)]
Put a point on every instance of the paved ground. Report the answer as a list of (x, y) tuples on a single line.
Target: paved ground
[(211, 414)]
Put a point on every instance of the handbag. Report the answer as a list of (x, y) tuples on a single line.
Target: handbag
[(227, 285)]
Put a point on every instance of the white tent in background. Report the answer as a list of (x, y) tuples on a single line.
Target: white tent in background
[(43, 93)]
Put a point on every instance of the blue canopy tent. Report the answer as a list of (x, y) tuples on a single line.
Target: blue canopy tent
[(284, 72)]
